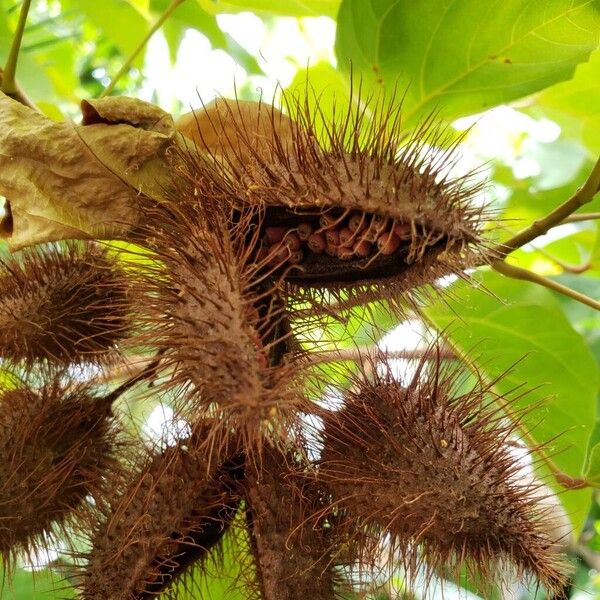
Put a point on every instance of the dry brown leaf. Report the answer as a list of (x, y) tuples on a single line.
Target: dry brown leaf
[(63, 180)]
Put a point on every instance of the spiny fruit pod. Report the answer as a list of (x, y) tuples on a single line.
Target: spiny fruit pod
[(366, 203), (61, 304), (429, 467), (219, 326), (170, 508), (294, 557), (57, 443)]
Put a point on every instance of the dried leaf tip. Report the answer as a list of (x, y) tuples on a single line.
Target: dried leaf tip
[(429, 464)]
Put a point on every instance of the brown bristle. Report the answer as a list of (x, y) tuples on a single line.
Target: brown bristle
[(163, 514), (354, 173), (217, 321), (431, 468), (62, 304), (57, 443), (293, 557)]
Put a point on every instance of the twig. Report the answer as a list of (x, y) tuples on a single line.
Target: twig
[(129, 367), (146, 372), (20, 96), (9, 84), (362, 354), (581, 197), (577, 269), (523, 274), (578, 218), (128, 62)]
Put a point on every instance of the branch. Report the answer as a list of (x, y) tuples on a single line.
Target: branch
[(540, 227), (8, 83), (128, 62), (523, 274), (362, 354), (582, 217)]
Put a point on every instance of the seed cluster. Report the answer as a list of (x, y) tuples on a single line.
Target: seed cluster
[(346, 236)]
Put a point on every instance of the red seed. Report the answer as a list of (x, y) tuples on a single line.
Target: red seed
[(278, 254), (292, 241), (327, 221), (346, 237), (317, 243), (362, 248), (331, 250), (296, 257), (304, 231), (388, 243), (345, 253), (333, 237), (379, 223), (403, 231), (275, 234), (357, 222), (369, 235)]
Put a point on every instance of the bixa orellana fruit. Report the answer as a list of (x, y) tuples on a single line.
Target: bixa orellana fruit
[(218, 324), (294, 557), (353, 204), (61, 304), (167, 510), (428, 467), (57, 444)]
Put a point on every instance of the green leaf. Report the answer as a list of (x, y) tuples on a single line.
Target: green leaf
[(123, 24), (293, 8), (578, 98), (517, 321), (188, 15), (226, 581), (36, 585), (466, 56), (324, 87), (30, 76)]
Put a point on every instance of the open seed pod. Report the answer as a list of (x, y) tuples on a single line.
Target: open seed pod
[(57, 444), (429, 467), (62, 304), (294, 556), (358, 205), (166, 513), (218, 324)]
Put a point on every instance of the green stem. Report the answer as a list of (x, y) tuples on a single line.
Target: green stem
[(582, 196), (9, 84), (523, 274), (128, 62)]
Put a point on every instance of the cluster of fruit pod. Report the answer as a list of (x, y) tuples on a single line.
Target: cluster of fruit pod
[(418, 475)]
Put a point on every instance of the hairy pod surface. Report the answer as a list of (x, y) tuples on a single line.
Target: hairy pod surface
[(57, 444), (370, 203), (431, 467), (62, 304), (167, 512), (293, 557), (219, 325)]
